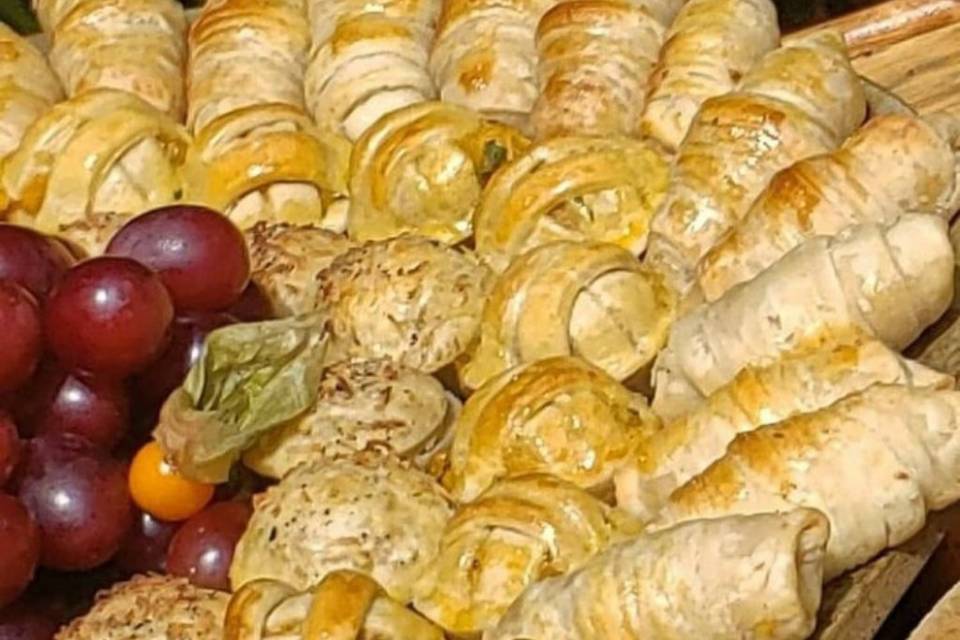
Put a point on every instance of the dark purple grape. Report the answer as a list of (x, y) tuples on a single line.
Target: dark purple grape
[(32, 260), (19, 548), (9, 448), (253, 305), (78, 496), (95, 409), (203, 548), (145, 547), (24, 620), (108, 316), (21, 337), (200, 255)]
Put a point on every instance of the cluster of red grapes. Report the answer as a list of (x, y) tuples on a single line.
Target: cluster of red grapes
[(89, 349)]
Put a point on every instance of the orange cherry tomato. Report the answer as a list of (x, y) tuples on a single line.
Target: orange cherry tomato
[(161, 491)]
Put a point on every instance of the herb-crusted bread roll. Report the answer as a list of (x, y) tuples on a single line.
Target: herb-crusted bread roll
[(799, 101), (749, 577), (138, 46)]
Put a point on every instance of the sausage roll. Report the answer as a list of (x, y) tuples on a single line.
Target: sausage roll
[(801, 100), (138, 46)]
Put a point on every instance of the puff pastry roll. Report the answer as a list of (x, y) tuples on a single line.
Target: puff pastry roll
[(285, 259), (102, 151), (519, 531), (710, 46), (595, 57), (559, 415), (361, 405), (422, 169), (747, 577), (603, 189), (874, 463), (152, 608), (257, 154), (138, 46), (345, 605), (891, 282), (801, 100), (411, 299), (375, 515), (893, 164), (28, 88), (801, 382), (587, 299), (368, 59)]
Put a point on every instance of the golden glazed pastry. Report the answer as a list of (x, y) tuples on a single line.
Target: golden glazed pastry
[(519, 531), (152, 608), (137, 46), (595, 57), (587, 299), (409, 298), (104, 151), (421, 170), (373, 515), (285, 260), (28, 88), (800, 382), (602, 189), (874, 463), (368, 59), (752, 578), (257, 155), (560, 416), (361, 405), (891, 282), (895, 163), (800, 100), (708, 49), (344, 605)]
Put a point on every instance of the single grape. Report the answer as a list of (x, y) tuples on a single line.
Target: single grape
[(159, 380), (9, 448), (200, 255), (95, 409), (21, 337), (24, 620), (253, 305), (145, 547), (108, 316), (19, 548), (78, 496), (32, 260), (203, 548)]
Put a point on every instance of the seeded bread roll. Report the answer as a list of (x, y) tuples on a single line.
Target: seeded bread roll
[(137, 46), (28, 88)]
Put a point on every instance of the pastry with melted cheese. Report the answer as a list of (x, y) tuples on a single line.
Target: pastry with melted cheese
[(801, 100), (890, 282), (798, 383), (560, 416), (748, 577), (519, 531), (344, 605), (422, 169), (138, 46), (374, 515), (586, 299), (875, 463), (601, 189)]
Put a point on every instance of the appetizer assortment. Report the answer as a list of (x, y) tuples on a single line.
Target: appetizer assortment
[(571, 319)]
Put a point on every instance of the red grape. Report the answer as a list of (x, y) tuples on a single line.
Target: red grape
[(200, 255), (19, 549), (253, 305), (78, 495), (96, 409), (23, 621), (186, 344), (108, 316), (31, 259), (21, 338), (203, 548), (9, 448), (145, 547)]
